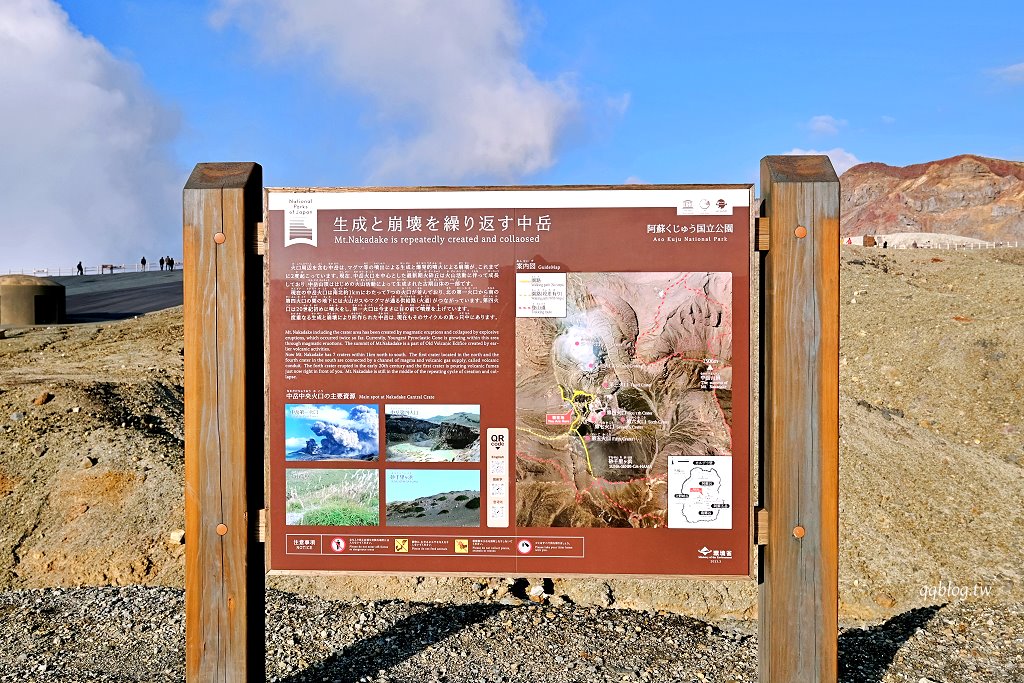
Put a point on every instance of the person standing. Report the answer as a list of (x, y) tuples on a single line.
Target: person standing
[(143, 264), (162, 262), (81, 271)]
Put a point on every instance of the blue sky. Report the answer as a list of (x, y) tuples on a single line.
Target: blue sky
[(110, 104)]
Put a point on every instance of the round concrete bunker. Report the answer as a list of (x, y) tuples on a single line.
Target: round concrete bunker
[(30, 300)]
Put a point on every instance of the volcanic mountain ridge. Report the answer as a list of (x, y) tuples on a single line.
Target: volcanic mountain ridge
[(966, 195)]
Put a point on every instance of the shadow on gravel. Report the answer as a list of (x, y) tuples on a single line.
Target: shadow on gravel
[(396, 644), (865, 654)]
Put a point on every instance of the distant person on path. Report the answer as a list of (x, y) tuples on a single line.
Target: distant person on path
[(885, 244), (170, 263), (162, 262), (81, 270), (143, 264)]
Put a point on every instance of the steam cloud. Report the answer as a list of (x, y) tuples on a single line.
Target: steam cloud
[(446, 79), (351, 434), (85, 172)]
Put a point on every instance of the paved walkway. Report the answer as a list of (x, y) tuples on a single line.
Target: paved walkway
[(96, 298)]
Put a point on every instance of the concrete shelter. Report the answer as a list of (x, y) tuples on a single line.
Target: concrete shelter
[(30, 300)]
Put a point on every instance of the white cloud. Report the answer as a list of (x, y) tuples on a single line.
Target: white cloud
[(840, 158), (888, 120), (825, 124), (634, 180), (619, 105), (1011, 74), (452, 95), (85, 172)]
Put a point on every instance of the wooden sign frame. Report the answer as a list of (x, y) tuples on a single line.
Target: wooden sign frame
[(797, 522)]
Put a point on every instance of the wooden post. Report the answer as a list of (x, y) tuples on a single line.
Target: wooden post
[(799, 582), (224, 567)]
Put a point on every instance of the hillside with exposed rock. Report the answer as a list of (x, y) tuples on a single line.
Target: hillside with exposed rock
[(966, 195)]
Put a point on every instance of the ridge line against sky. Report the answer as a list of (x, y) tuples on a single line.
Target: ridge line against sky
[(109, 105)]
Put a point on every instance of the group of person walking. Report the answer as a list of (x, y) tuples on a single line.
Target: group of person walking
[(165, 261)]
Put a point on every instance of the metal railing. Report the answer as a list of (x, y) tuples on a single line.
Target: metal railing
[(102, 269)]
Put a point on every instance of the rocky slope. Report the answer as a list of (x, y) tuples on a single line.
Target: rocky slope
[(91, 453), (448, 509), (931, 452), (965, 195)]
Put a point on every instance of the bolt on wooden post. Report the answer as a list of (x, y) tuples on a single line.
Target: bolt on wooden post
[(223, 287), (798, 592)]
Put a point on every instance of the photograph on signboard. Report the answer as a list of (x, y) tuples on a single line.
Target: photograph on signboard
[(333, 431), (636, 369), (449, 498), (432, 432), (332, 497)]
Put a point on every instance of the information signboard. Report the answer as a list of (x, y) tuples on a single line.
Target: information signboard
[(494, 381)]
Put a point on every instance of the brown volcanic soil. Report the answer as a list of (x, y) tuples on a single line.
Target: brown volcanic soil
[(931, 451), (91, 481)]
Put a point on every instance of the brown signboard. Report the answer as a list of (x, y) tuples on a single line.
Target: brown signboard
[(549, 381)]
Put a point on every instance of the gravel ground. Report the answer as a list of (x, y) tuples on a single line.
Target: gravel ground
[(137, 634)]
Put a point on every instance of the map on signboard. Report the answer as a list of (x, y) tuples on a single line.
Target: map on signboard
[(700, 492), (636, 368)]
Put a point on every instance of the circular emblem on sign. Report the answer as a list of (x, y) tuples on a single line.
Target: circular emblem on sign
[(524, 547), (338, 544)]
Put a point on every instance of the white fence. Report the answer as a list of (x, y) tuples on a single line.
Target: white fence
[(102, 269), (959, 246), (904, 243)]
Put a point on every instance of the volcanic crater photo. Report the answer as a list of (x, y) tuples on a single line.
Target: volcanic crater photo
[(432, 433)]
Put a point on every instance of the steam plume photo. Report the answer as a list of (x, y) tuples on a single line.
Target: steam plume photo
[(432, 498), (331, 432), (322, 497), (432, 433)]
